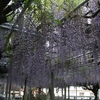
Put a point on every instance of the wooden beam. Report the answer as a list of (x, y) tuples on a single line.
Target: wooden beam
[(93, 14), (8, 26)]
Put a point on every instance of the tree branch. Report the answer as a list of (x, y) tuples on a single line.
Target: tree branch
[(18, 18), (81, 4)]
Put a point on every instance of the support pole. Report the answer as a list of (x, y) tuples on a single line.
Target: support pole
[(76, 92), (65, 93), (68, 92), (25, 88), (52, 86), (7, 88), (62, 92)]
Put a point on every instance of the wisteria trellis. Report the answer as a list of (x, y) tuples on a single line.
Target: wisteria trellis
[(67, 55)]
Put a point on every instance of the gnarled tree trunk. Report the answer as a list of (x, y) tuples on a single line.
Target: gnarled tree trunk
[(94, 88)]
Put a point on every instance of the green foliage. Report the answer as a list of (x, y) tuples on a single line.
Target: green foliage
[(58, 22), (40, 97), (69, 63), (58, 98), (57, 61), (67, 4), (82, 69), (8, 48), (43, 9), (70, 73)]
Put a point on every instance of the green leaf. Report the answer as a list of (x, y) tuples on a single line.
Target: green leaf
[(58, 22), (60, 8)]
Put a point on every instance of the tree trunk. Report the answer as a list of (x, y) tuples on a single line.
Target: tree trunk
[(40, 90), (95, 91), (94, 88), (96, 95)]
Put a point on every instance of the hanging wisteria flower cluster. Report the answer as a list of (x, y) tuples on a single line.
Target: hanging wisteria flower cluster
[(69, 50)]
